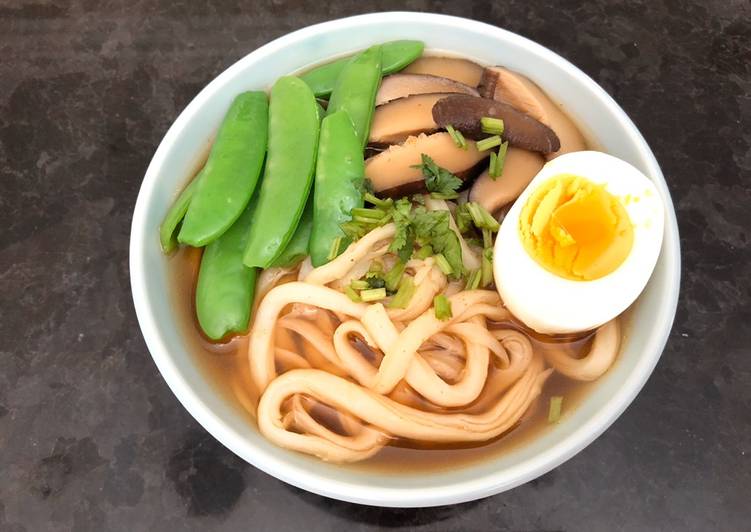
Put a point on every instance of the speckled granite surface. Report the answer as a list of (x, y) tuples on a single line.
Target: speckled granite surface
[(92, 439)]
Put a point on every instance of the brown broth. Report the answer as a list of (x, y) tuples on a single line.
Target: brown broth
[(227, 366)]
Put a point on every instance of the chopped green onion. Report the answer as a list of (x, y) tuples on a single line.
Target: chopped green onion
[(352, 294), (424, 252), (375, 214), (378, 202), (481, 217), (443, 264), (457, 137), (463, 218), (497, 162), (403, 296), (473, 280), (487, 238), (444, 195), (375, 267), (375, 294), (334, 250), (488, 143), (360, 284), (375, 281), (494, 126), (442, 307), (353, 230), (487, 267), (386, 219), (556, 405), (394, 276), (365, 221)]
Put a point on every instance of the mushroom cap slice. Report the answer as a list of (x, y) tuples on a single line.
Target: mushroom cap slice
[(402, 118), (521, 93), (393, 173), (398, 86), (519, 168), (464, 113), (462, 70)]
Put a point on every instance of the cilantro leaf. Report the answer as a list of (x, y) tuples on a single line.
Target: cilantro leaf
[(433, 228), (404, 238), (463, 218), (439, 180)]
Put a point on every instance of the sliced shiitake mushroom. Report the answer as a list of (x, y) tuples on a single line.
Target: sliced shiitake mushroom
[(395, 172), (402, 118), (398, 86), (521, 93), (519, 168), (464, 112), (461, 70)]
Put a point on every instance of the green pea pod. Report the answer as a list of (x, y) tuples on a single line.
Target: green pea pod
[(225, 288), (231, 171), (356, 89), (293, 143), (168, 229), (396, 56), (340, 172), (297, 248)]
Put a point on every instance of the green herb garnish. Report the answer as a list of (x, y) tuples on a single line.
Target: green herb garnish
[(473, 280), (394, 276), (443, 264), (488, 143), (360, 284), (486, 270), (442, 307), (352, 294), (494, 126), (462, 218), (481, 217), (497, 162), (375, 294), (383, 204), (433, 228), (404, 295), (367, 215), (556, 406), (424, 252), (334, 250), (404, 237), (457, 137), (439, 180)]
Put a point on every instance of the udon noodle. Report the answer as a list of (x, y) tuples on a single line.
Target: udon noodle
[(369, 375)]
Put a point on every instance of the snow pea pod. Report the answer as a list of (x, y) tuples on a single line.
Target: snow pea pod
[(231, 171), (293, 143), (297, 248), (396, 56), (168, 229), (340, 171), (356, 89), (225, 288)]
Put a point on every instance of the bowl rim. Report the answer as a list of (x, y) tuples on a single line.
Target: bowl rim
[(475, 488)]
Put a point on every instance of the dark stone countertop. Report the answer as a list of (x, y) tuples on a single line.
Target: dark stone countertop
[(91, 438)]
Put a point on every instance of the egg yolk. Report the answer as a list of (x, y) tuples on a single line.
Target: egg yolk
[(575, 228)]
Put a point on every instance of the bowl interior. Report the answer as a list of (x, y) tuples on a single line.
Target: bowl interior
[(185, 144)]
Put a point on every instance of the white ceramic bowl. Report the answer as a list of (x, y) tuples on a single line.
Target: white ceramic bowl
[(186, 140)]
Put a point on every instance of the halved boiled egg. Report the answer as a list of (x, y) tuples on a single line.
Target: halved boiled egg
[(579, 244)]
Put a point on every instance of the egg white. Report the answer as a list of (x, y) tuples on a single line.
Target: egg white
[(553, 305)]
